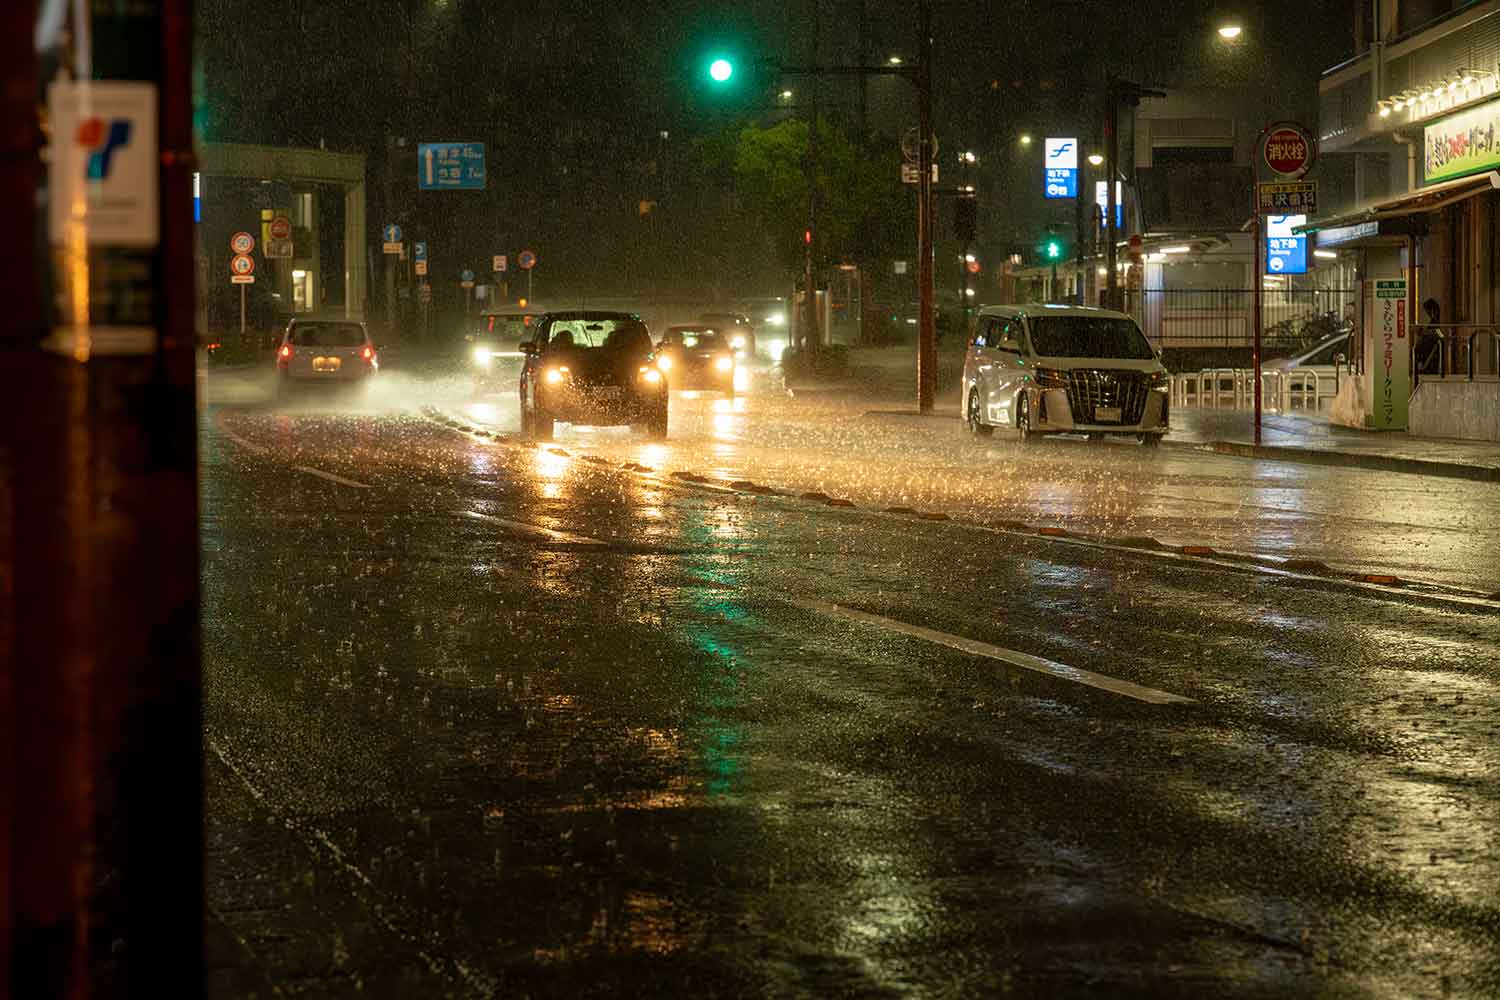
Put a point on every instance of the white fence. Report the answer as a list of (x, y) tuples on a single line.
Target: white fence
[(1234, 388)]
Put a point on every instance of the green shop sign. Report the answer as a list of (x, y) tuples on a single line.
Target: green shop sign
[(1464, 143)]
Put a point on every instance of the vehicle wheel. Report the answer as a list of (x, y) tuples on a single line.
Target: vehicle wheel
[(975, 421), (1151, 440), (542, 425), (656, 427), (1023, 419)]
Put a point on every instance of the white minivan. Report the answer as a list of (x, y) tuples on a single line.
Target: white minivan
[(1050, 369)]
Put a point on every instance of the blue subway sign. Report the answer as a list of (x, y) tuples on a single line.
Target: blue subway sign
[(1060, 161), (1286, 252), (450, 166)]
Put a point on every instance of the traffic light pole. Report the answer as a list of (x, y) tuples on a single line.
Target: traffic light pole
[(1111, 159), (921, 77), (926, 327)]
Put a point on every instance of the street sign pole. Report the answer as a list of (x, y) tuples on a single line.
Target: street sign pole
[(242, 312), (926, 328), (1255, 265)]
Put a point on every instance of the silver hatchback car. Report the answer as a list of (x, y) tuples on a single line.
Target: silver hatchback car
[(1047, 369), (330, 352)]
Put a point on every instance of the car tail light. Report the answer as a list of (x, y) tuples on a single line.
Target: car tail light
[(368, 353), (284, 355)]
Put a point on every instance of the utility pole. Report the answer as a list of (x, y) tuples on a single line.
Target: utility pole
[(103, 668), (812, 340), (1111, 159), (926, 330)]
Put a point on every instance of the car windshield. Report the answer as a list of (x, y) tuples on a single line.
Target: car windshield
[(1088, 337), (327, 335), (622, 334), (506, 327), (703, 340)]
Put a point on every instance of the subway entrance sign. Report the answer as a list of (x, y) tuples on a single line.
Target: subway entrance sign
[(1286, 252)]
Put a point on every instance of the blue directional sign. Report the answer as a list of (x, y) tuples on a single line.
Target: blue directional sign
[(1060, 160), (1286, 252), (391, 233), (450, 166), (419, 251)]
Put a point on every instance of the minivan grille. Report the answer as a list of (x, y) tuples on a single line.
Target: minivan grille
[(1092, 387)]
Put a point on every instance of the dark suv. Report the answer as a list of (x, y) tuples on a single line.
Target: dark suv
[(591, 368)]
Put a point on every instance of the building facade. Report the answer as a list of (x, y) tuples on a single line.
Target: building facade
[(1413, 120)]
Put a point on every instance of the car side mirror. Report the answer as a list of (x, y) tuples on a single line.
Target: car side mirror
[(529, 347)]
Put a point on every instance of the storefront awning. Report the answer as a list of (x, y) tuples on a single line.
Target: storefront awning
[(1427, 199)]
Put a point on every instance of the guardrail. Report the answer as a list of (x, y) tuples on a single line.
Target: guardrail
[(1456, 352), (1234, 388)]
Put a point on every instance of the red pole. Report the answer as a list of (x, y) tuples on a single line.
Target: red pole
[(1255, 320)]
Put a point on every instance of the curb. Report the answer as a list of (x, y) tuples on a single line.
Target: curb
[(1283, 453), (1344, 459)]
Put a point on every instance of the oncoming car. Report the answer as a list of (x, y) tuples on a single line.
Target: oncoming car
[(494, 343), (1044, 369), (697, 357), (324, 352), (591, 368), (737, 329)]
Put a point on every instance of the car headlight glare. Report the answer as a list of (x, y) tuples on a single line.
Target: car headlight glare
[(664, 363), (555, 375), (1049, 378), (738, 340), (651, 375), (724, 364), (483, 356)]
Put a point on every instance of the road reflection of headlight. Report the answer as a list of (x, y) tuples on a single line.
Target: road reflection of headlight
[(664, 363), (724, 364), (483, 357)]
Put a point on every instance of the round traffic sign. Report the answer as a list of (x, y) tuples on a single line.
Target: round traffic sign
[(241, 264), (1289, 149), (973, 267), (281, 228), (526, 260), (911, 147), (242, 243)]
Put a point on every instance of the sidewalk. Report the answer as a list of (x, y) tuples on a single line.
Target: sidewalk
[(1312, 439)]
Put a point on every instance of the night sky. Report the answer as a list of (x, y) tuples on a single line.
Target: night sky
[(571, 100)]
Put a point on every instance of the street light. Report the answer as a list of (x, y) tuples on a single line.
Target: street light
[(720, 70), (1229, 32), (786, 95), (1025, 138), (895, 60), (1095, 159)]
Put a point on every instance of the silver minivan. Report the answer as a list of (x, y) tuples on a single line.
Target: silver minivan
[(1051, 369)]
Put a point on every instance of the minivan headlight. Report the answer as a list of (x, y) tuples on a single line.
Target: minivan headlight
[(1050, 378), (1160, 381)]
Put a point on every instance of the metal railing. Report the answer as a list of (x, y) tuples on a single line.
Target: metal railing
[(1234, 388), (1222, 317), (1456, 352)]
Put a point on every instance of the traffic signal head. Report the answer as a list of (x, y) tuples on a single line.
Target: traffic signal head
[(720, 70), (1053, 249)]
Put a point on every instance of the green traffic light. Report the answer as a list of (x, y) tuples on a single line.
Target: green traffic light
[(1054, 249), (720, 70)]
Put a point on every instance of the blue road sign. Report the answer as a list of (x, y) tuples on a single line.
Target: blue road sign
[(466, 276), (419, 251), (391, 233), (1060, 158), (1286, 253), (450, 166)]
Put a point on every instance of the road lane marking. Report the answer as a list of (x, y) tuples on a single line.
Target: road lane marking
[(537, 531), (231, 435), (331, 477), (1013, 657)]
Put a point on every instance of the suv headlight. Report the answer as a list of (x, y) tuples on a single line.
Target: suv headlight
[(1049, 378), (483, 356), (1160, 381)]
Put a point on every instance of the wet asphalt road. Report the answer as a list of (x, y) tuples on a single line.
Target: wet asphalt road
[(487, 718)]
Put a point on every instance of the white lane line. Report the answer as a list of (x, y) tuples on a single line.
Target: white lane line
[(390, 916), (536, 531), (1016, 659), (331, 477), (231, 435)]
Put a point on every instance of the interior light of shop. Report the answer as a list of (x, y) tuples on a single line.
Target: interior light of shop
[(1095, 159), (1385, 109), (1155, 258), (1452, 86), (1398, 105), (1467, 81), (1325, 254), (1175, 249), (299, 275)]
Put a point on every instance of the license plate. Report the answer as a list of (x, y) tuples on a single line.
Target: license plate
[(1107, 414), (608, 392), (327, 364)]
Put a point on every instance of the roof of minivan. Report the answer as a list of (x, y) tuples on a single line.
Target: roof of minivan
[(1051, 309)]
